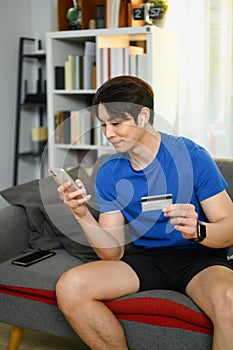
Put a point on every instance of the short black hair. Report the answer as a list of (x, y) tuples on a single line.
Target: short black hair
[(125, 94)]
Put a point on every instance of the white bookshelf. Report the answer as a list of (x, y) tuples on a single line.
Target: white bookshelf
[(160, 69)]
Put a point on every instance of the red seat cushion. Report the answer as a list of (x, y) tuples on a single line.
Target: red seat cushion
[(149, 310)]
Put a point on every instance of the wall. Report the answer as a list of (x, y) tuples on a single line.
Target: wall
[(17, 18)]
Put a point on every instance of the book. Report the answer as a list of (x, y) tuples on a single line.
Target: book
[(112, 13), (97, 134), (126, 60), (116, 61), (89, 48), (59, 127), (141, 67), (67, 75), (108, 14), (88, 62), (78, 72), (86, 126), (94, 81), (62, 127), (115, 13), (75, 128), (132, 65), (70, 73), (119, 61), (59, 77), (80, 127), (66, 127), (105, 68)]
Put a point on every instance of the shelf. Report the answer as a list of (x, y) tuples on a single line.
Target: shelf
[(38, 56), (31, 63), (30, 154), (74, 92), (35, 98), (92, 33), (81, 147), (33, 104), (155, 66)]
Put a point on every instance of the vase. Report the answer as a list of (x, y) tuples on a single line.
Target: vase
[(160, 22)]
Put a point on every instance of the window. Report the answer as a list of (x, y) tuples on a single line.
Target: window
[(205, 108)]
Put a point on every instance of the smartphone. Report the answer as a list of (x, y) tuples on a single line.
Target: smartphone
[(60, 175), (32, 258)]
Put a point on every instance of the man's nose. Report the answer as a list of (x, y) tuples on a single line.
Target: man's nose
[(109, 130)]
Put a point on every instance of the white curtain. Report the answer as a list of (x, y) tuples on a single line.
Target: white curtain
[(205, 107)]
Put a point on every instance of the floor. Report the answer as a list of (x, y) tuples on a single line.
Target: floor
[(32, 340)]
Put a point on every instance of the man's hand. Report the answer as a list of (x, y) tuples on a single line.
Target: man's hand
[(75, 200), (184, 218)]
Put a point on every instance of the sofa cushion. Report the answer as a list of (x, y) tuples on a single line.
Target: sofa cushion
[(226, 168), (156, 307), (28, 196), (14, 232), (51, 223), (42, 275), (162, 308)]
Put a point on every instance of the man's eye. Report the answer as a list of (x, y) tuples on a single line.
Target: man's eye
[(114, 124)]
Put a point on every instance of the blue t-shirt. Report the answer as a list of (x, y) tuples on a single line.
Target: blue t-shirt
[(181, 167)]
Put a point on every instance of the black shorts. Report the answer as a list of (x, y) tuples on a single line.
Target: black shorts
[(171, 268)]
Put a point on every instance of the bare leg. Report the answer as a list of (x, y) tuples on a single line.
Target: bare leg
[(212, 291), (81, 292)]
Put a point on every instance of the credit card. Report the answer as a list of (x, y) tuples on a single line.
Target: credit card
[(156, 202)]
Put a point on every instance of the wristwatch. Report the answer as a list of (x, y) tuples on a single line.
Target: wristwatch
[(201, 233)]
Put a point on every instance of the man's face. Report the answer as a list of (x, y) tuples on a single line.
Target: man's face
[(123, 134)]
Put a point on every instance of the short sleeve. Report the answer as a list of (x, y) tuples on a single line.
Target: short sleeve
[(208, 180), (105, 192)]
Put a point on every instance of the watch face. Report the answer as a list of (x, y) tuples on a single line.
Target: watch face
[(201, 231)]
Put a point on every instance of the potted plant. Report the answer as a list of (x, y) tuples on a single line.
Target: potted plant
[(158, 10)]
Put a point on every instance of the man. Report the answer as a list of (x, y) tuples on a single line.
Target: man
[(181, 246)]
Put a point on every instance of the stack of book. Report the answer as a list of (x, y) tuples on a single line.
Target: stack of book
[(78, 128), (115, 61), (79, 71)]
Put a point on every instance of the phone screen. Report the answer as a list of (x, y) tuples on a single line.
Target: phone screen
[(32, 258), (62, 176)]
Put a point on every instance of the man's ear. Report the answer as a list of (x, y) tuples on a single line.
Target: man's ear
[(143, 117), (143, 121)]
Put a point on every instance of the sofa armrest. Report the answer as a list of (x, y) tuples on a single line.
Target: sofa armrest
[(14, 232)]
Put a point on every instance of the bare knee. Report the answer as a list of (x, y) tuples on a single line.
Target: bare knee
[(227, 300), (71, 289), (224, 308)]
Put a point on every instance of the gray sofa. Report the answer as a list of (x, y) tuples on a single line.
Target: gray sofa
[(160, 320)]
